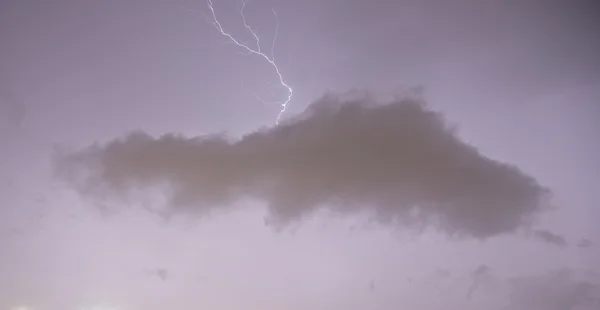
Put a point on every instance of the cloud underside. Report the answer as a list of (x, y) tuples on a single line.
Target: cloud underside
[(397, 161)]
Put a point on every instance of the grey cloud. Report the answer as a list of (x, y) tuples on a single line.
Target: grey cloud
[(550, 238), (161, 273), (556, 290), (397, 161), (585, 243), (479, 275), (442, 273)]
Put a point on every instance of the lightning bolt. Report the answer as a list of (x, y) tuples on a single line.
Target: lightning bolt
[(256, 51)]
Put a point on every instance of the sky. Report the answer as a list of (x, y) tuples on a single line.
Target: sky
[(433, 155)]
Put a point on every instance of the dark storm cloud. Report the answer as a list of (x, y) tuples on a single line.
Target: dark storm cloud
[(550, 238), (399, 161)]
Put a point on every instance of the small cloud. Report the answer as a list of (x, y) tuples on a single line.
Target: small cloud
[(585, 243), (555, 290), (550, 238), (161, 273), (482, 269), (442, 273), (480, 276)]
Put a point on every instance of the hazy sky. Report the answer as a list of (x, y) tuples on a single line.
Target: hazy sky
[(141, 167)]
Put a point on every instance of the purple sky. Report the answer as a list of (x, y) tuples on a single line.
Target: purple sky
[(337, 180)]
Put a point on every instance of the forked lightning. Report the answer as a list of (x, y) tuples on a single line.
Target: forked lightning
[(256, 51)]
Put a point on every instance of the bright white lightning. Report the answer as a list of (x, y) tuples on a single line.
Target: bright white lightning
[(256, 51)]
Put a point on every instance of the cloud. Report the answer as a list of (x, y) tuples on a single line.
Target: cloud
[(397, 161), (555, 290), (550, 237), (442, 273), (161, 273), (480, 275), (585, 243)]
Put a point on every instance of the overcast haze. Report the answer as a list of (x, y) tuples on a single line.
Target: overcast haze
[(434, 155)]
